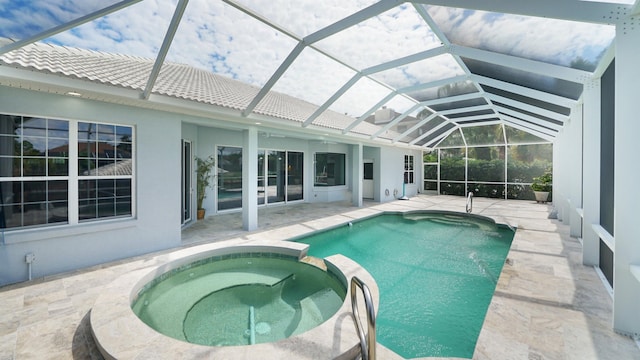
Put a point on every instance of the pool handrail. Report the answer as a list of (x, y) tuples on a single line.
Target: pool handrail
[(368, 344)]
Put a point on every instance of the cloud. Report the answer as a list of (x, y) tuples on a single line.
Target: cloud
[(549, 40), (219, 38)]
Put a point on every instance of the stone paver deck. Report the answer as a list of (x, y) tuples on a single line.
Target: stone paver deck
[(547, 305)]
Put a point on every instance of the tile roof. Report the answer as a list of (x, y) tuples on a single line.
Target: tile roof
[(175, 80)]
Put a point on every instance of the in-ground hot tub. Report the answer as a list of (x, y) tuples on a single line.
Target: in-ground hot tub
[(215, 299), (241, 299)]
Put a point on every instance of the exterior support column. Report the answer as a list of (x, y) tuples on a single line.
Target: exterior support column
[(626, 317), (250, 179), (591, 172), (357, 170), (575, 188)]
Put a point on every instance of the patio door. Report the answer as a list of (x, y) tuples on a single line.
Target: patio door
[(187, 188), (279, 176)]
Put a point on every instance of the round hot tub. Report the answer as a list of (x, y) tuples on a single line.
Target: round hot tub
[(235, 299), (240, 299)]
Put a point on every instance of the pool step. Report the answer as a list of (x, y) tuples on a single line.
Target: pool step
[(316, 308), (168, 310)]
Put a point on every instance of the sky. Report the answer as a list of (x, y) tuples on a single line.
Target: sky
[(219, 38)]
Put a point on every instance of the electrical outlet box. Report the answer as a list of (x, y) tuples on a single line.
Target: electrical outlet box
[(30, 257)]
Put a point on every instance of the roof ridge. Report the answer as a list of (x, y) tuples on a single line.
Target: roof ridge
[(177, 80)]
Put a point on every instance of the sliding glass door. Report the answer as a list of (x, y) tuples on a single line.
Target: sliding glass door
[(295, 176), (279, 176), (229, 177)]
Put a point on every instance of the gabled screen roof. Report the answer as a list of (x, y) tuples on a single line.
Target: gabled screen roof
[(411, 73)]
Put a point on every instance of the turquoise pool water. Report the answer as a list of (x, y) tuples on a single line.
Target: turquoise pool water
[(240, 299), (436, 273)]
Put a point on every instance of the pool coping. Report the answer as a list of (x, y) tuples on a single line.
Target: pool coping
[(120, 334)]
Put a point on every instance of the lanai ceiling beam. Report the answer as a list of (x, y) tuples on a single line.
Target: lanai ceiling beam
[(533, 66), (530, 108), (319, 35), (164, 49)]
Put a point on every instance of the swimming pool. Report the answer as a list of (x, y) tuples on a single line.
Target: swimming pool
[(436, 273)]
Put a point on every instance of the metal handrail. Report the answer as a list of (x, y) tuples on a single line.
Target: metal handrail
[(469, 202), (368, 344)]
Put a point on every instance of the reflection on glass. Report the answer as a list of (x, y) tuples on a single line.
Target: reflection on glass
[(101, 198), (486, 164), (31, 203), (261, 176), (330, 169), (104, 150), (295, 188), (229, 177), (276, 176)]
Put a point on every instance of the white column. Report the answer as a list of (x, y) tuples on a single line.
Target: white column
[(250, 179), (591, 172), (357, 170), (626, 313), (560, 173), (575, 188)]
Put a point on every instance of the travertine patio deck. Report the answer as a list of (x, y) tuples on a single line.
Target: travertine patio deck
[(547, 305)]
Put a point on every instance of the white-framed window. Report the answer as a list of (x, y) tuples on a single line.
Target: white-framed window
[(409, 173), (105, 170), (56, 171)]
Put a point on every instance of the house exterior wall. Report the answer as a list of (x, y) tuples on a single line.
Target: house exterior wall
[(156, 223)]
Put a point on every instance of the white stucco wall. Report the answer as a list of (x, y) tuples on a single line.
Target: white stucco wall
[(156, 225)]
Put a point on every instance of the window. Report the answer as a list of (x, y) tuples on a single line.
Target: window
[(330, 169), (408, 169), (104, 170), (35, 176), (34, 171)]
